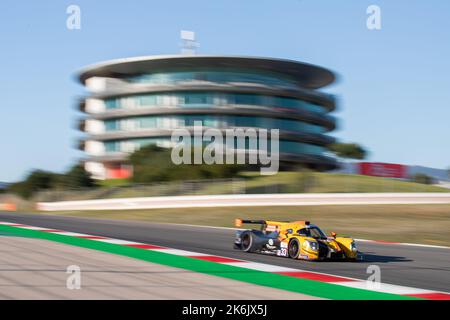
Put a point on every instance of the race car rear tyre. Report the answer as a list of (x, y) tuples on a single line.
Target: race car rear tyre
[(294, 249), (248, 242)]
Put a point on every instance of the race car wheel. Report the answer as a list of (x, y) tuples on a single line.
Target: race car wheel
[(294, 249), (248, 242)]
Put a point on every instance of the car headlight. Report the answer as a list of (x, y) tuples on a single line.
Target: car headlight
[(310, 245), (353, 246)]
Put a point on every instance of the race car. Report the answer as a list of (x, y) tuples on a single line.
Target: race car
[(296, 240)]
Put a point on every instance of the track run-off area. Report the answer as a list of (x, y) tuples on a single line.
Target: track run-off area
[(406, 271)]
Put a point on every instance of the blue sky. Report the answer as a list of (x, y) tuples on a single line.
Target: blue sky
[(393, 88)]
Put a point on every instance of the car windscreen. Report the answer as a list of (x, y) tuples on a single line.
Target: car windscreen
[(313, 232)]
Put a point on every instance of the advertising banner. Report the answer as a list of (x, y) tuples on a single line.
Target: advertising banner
[(378, 169)]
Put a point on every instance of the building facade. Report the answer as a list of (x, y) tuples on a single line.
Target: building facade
[(139, 101)]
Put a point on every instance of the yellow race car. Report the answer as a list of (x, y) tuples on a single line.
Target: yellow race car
[(296, 240)]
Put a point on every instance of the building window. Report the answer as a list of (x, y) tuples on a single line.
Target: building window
[(196, 99)]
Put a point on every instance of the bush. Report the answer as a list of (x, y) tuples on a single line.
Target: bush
[(422, 178)]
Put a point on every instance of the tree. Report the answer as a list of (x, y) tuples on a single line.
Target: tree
[(39, 180), (35, 181), (3, 187), (76, 177), (349, 151), (152, 163)]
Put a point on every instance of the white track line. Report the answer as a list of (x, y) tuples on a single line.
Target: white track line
[(383, 287)]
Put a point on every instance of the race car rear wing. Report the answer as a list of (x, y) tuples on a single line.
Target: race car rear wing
[(239, 222), (268, 225)]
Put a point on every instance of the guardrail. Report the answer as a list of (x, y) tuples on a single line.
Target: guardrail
[(248, 200)]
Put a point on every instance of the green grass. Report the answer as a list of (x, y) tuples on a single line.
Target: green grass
[(428, 224), (113, 183), (315, 182)]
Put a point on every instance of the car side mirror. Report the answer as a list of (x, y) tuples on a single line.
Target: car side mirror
[(333, 234)]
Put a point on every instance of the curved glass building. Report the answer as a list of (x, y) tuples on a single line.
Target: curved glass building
[(139, 101)]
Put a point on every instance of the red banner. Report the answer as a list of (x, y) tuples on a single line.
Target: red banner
[(378, 169), (119, 172)]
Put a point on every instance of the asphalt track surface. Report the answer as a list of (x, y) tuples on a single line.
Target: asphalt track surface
[(420, 267)]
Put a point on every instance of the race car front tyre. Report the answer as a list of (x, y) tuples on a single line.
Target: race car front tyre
[(294, 249), (248, 242)]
